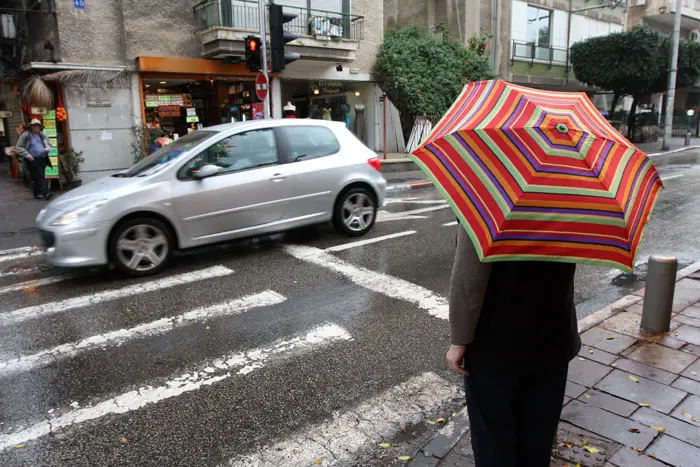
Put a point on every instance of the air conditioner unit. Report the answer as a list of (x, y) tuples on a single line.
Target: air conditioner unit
[(694, 35)]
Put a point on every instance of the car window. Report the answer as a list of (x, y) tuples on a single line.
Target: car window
[(242, 151), (310, 142), (167, 155)]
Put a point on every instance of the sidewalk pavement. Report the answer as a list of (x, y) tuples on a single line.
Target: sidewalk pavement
[(632, 398), (18, 211)]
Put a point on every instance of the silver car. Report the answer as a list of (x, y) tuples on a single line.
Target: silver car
[(222, 183)]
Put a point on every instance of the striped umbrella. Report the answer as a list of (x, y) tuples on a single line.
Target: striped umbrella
[(540, 175)]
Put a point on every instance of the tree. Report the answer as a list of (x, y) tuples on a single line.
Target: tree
[(423, 73), (633, 63)]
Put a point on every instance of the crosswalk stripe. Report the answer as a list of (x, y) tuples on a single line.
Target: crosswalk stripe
[(34, 283), (378, 282), (378, 419), (347, 246), (17, 316), (14, 256), (12, 251), (154, 328), (383, 216), (449, 224), (21, 272), (240, 363)]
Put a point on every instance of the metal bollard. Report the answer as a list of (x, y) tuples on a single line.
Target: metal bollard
[(687, 138), (658, 299)]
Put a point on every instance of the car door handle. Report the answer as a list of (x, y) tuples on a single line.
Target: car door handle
[(278, 177)]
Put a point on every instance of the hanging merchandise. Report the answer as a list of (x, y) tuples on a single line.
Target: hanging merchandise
[(421, 129), (360, 124), (61, 114), (326, 114)]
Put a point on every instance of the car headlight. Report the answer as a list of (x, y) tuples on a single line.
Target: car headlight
[(74, 216)]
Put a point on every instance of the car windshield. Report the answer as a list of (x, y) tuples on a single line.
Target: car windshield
[(166, 155)]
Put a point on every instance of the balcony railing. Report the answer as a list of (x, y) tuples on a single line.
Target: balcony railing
[(244, 14), (529, 52)]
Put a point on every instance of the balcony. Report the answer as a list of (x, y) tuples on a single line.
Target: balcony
[(325, 35), (540, 65)]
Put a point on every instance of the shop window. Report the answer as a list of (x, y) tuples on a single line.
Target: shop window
[(242, 151), (310, 142)]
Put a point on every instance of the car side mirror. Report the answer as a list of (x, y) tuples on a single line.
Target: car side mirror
[(206, 171)]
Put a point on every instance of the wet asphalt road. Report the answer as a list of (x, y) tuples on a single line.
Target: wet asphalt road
[(325, 354)]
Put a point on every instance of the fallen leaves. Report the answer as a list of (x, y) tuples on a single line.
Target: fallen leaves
[(591, 449), (690, 417), (404, 458), (431, 422), (20, 446), (294, 452), (582, 359), (441, 420), (384, 445), (568, 444), (585, 442), (586, 395), (207, 327), (675, 334), (658, 428), (609, 338), (318, 462), (590, 351), (634, 378), (644, 404), (633, 430)]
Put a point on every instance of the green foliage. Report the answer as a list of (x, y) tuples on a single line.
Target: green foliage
[(74, 159), (633, 62), (423, 72)]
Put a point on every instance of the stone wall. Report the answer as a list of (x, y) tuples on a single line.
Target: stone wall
[(373, 33)]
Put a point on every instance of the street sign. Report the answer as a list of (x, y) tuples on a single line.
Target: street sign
[(79, 4), (261, 87)]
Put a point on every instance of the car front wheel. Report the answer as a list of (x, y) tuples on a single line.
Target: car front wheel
[(140, 247), (355, 212)]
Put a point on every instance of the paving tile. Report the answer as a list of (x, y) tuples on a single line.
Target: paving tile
[(626, 457), (608, 425), (464, 447), (607, 402), (569, 446), (574, 390), (421, 460), (675, 452), (689, 410), (661, 397), (636, 308), (455, 460), (662, 357), (586, 372), (673, 427), (692, 311), (682, 318), (692, 349), (687, 385), (689, 334), (598, 337), (449, 436), (693, 371), (646, 371), (598, 355), (628, 323)]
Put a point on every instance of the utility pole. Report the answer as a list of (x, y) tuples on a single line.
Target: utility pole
[(263, 55), (673, 68)]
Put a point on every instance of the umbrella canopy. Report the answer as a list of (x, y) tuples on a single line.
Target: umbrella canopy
[(540, 175)]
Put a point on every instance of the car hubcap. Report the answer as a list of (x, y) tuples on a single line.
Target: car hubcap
[(358, 212), (142, 247)]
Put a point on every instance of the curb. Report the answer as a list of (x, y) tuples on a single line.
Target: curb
[(676, 156), (435, 450), (409, 186)]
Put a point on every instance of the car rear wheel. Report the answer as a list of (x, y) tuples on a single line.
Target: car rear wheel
[(140, 247), (355, 212)]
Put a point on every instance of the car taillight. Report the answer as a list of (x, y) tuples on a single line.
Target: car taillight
[(375, 163)]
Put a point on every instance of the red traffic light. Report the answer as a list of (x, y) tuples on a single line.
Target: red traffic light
[(253, 45)]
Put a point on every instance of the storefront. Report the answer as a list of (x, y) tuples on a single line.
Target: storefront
[(182, 95), (342, 101)]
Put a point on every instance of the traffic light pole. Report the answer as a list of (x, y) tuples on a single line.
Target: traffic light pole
[(263, 56)]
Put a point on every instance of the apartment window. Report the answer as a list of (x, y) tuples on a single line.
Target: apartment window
[(539, 30)]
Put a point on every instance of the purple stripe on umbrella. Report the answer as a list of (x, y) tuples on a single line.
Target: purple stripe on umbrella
[(467, 190), (634, 182), (637, 224), (552, 145), (563, 238), (521, 103), (586, 212), (486, 170), (457, 112)]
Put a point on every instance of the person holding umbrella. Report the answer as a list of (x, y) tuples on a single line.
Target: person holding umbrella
[(34, 147), (539, 181)]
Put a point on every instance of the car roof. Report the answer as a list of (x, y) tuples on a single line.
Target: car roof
[(254, 124)]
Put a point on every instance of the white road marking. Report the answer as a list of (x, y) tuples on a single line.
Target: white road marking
[(414, 201), (21, 255), (12, 251), (384, 216), (17, 316), (206, 374), (450, 224), (343, 435), (385, 284), (34, 283), (671, 177), (347, 246), (154, 328), (20, 272)]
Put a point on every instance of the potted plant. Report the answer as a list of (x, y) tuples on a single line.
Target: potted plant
[(73, 159)]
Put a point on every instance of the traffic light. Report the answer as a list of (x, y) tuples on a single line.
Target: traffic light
[(252, 53), (279, 37)]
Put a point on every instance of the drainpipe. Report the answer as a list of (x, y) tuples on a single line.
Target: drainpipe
[(568, 40), (494, 33)]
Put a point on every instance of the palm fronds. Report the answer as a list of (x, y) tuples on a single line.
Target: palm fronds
[(90, 79), (38, 93)]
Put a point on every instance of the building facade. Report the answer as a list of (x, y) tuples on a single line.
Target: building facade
[(176, 66), (530, 39)]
